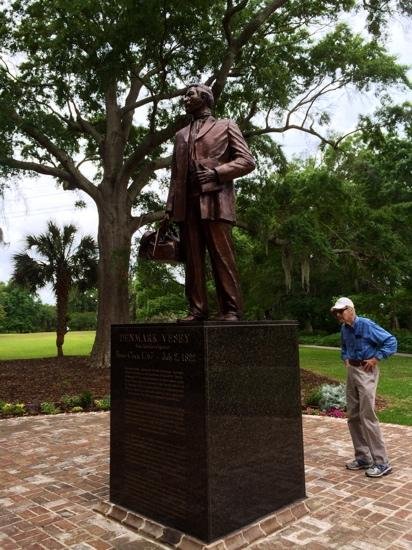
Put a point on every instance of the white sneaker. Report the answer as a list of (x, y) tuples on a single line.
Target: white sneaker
[(378, 470)]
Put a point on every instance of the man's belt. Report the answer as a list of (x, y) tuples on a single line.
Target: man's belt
[(356, 363)]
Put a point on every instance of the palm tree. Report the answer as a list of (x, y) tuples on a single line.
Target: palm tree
[(59, 262)]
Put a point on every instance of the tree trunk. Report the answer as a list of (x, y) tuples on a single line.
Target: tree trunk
[(62, 300), (113, 279), (395, 325)]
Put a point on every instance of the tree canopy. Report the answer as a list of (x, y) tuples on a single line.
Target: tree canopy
[(89, 94)]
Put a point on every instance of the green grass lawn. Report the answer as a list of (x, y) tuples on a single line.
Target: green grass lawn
[(43, 344), (395, 382)]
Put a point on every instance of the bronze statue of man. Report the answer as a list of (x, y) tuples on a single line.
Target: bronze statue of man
[(208, 155)]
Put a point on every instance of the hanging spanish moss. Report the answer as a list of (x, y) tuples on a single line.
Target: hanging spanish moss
[(305, 274), (287, 264)]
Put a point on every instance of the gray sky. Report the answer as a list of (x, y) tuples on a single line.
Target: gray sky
[(32, 202)]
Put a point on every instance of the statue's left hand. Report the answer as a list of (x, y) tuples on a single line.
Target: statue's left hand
[(206, 175)]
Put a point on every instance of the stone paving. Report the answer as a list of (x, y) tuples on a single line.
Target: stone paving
[(54, 472)]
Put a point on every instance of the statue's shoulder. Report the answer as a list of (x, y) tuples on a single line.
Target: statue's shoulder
[(183, 130), (226, 122)]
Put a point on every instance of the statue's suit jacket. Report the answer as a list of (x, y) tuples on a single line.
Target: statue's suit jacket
[(218, 145)]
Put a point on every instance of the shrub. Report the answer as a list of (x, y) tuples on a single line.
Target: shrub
[(314, 397), (76, 409), (404, 338), (16, 409), (49, 408), (328, 397), (70, 401), (102, 404), (332, 397), (86, 399)]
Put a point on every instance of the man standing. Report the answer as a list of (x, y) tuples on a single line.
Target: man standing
[(207, 156), (364, 344)]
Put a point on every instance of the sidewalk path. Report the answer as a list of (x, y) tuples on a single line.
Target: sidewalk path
[(53, 470)]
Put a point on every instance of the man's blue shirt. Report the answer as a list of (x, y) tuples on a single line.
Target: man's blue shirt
[(365, 339)]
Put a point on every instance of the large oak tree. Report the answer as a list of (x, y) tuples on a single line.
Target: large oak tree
[(89, 94)]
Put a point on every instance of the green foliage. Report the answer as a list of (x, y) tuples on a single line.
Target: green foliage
[(82, 301), (62, 261), (339, 225), (102, 404), (15, 409), (49, 408), (332, 397), (70, 401), (156, 292), (328, 396), (77, 409), (82, 320), (86, 399), (62, 264), (81, 69), (20, 311), (314, 397)]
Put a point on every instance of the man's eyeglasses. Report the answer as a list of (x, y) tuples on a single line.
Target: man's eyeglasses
[(339, 311)]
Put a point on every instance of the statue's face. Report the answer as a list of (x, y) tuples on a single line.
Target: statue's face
[(193, 100)]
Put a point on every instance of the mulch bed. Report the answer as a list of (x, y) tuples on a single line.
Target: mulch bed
[(38, 380)]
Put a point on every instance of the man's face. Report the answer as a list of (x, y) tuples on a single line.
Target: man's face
[(345, 315), (193, 100)]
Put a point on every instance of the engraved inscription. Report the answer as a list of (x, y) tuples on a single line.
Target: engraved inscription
[(156, 418), (146, 383), (157, 381), (154, 338), (158, 347)]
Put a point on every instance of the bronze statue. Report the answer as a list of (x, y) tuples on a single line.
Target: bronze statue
[(208, 154)]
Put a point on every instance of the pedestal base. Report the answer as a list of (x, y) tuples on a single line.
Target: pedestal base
[(206, 433)]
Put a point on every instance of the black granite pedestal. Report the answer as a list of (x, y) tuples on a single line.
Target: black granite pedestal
[(206, 430)]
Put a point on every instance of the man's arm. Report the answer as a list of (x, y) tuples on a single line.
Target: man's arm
[(343, 349), (242, 161), (386, 344)]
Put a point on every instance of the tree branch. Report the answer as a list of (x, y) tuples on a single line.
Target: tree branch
[(35, 167), (65, 160), (87, 126), (148, 144), (136, 84), (139, 221), (281, 129), (230, 12), (145, 174), (152, 99), (236, 44)]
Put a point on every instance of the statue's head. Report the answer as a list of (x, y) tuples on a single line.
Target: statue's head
[(198, 96)]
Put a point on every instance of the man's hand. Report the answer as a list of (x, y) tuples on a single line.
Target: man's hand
[(206, 175), (346, 363), (370, 364)]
